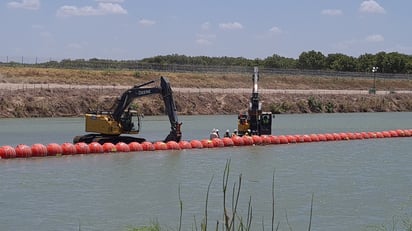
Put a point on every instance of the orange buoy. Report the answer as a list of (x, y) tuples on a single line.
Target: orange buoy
[(54, 149), (358, 136), (283, 139), (206, 143), (82, 148), (218, 143), (314, 137), (172, 145), (365, 135), (109, 147), (68, 149), (407, 133), (184, 144), (329, 137), (386, 134), (237, 141), (257, 139), (393, 133), (344, 136), (227, 142), (322, 137), (160, 145), (122, 147), (135, 146), (247, 140), (95, 147), (378, 135), (38, 150), (299, 139), (148, 146), (23, 151), (291, 139), (196, 144), (265, 139), (306, 138), (336, 136), (7, 152)]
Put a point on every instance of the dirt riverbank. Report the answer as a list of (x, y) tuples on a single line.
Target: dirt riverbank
[(79, 97), (58, 102)]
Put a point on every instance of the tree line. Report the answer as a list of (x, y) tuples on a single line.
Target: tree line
[(392, 62)]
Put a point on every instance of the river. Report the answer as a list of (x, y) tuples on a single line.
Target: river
[(356, 185)]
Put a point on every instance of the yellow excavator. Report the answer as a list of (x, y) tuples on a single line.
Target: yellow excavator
[(108, 126)]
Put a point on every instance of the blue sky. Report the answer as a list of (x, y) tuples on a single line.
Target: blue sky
[(136, 29)]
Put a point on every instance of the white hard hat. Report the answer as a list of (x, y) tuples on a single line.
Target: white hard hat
[(217, 130), (227, 130), (235, 130)]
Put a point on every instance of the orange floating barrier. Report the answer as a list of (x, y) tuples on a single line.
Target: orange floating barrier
[(393, 133), (38, 150), (247, 140), (238, 141), (122, 147), (196, 144), (68, 149), (7, 152), (365, 135), (147, 146), (283, 139), (329, 137), (172, 145), (95, 147), (228, 142), (206, 143), (82, 148), (54, 149), (291, 139), (321, 137), (274, 139), (265, 139), (135, 146), (407, 133), (257, 139), (306, 138), (23, 151), (386, 134), (109, 147), (183, 144), (218, 143), (314, 137)]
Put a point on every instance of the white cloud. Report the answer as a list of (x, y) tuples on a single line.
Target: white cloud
[(103, 8), (375, 38), (230, 26), (275, 30), (146, 22), (332, 12), (205, 26), (371, 6), (205, 39), (25, 4)]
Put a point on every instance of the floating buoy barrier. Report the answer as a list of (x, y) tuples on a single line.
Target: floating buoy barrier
[(54, 149)]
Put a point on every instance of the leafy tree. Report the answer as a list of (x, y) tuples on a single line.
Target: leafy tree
[(341, 62), (312, 60)]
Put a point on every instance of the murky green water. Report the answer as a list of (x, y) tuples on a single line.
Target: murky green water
[(356, 184)]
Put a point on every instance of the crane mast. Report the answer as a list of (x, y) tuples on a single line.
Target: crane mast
[(255, 122)]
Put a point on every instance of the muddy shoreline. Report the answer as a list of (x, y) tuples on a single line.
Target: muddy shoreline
[(56, 102)]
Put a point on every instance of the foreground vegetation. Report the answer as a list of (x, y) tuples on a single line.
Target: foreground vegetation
[(232, 219)]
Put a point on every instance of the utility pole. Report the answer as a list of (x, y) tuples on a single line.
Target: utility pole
[(373, 90)]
